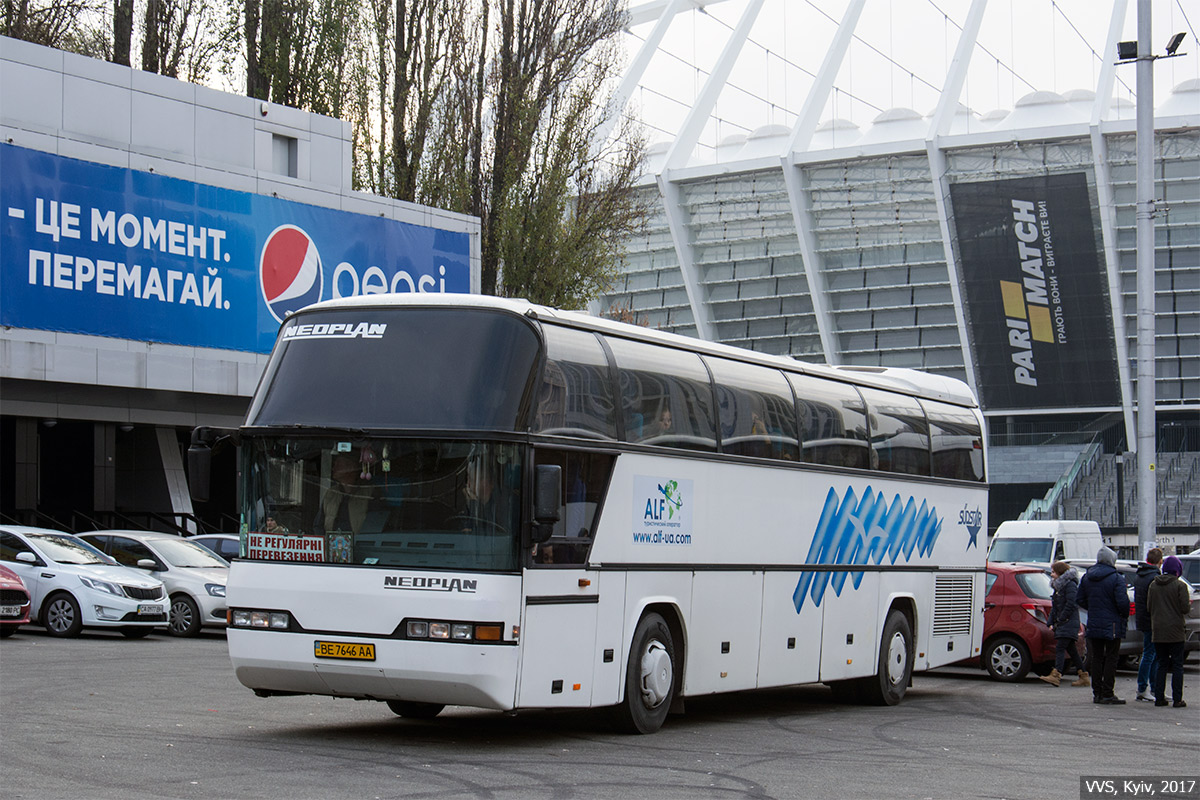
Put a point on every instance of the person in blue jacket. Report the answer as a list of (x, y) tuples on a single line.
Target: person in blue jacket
[(1104, 595)]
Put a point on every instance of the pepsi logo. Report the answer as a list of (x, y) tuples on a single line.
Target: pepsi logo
[(289, 271)]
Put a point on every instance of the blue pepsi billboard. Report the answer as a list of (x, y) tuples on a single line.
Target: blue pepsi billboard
[(109, 251)]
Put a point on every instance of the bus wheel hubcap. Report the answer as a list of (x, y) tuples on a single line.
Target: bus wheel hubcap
[(657, 674), (897, 659)]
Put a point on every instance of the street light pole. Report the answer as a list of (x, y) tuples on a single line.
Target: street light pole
[(1146, 451)]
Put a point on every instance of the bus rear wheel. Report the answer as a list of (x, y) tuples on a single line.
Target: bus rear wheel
[(649, 678), (415, 710), (895, 665)]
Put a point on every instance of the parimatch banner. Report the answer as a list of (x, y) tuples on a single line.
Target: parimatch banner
[(1035, 293)]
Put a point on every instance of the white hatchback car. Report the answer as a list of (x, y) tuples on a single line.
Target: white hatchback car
[(195, 576), (226, 545), (72, 585)]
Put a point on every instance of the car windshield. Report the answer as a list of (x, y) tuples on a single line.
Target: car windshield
[(1035, 585), (1017, 549), (68, 550), (180, 553), (382, 501)]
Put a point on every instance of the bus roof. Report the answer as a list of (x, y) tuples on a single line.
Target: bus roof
[(909, 381)]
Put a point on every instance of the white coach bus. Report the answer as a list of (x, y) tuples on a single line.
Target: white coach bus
[(474, 501)]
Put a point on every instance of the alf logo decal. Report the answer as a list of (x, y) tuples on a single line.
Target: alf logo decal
[(661, 511), (853, 531)]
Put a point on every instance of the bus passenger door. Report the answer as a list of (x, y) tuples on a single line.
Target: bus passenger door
[(562, 596), (558, 637)]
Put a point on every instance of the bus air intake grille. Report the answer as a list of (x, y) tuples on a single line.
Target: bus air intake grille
[(953, 605)]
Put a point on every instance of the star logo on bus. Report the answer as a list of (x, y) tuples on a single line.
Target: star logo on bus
[(673, 501), (973, 522)]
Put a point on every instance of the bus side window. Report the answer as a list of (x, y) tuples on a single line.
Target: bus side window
[(756, 409), (585, 480), (666, 396), (833, 422), (957, 441), (575, 398), (899, 433)]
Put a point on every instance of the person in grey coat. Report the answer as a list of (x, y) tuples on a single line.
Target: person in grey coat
[(1064, 618), (1169, 601), (1104, 595)]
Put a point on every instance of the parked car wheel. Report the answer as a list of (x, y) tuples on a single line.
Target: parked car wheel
[(130, 632), (185, 616), (1006, 659), (62, 616)]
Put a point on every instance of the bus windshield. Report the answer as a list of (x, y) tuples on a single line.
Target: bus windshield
[(426, 369), (382, 502)]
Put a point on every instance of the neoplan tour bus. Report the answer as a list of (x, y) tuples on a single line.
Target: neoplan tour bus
[(474, 501)]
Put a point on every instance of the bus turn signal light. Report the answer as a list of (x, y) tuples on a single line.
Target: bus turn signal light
[(487, 633)]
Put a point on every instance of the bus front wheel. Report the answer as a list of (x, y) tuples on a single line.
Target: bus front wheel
[(895, 663), (650, 677)]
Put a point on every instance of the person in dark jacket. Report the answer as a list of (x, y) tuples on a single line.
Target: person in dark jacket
[(1064, 618), (1147, 571), (1169, 600), (1104, 594)]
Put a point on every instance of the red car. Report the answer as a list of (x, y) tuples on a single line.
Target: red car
[(1016, 616), (14, 602)]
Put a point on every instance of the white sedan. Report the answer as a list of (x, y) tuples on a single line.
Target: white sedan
[(195, 576), (72, 585)]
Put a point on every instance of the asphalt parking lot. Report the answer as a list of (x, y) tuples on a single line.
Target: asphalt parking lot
[(105, 717)]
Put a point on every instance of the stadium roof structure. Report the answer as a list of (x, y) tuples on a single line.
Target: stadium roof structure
[(705, 73), (805, 155)]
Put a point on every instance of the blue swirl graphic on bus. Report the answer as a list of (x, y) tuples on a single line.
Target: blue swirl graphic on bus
[(853, 531)]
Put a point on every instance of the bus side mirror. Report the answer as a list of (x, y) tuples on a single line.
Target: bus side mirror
[(199, 457), (547, 500)]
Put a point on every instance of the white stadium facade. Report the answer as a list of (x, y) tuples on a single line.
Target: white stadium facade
[(996, 247)]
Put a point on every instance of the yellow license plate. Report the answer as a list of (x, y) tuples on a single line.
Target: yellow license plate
[(363, 652)]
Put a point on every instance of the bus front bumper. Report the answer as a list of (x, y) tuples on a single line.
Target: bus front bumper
[(450, 673)]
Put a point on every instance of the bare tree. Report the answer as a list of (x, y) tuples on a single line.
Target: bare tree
[(553, 215), (122, 31), (296, 51), (63, 24)]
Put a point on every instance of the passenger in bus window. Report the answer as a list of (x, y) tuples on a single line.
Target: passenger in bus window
[(271, 526), (487, 500), (346, 483), (663, 423)]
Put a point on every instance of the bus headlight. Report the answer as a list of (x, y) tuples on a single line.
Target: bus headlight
[(453, 631), (252, 618)]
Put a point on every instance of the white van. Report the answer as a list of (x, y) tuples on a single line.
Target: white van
[(1045, 541)]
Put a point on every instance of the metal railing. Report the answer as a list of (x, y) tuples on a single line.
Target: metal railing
[(1050, 506)]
